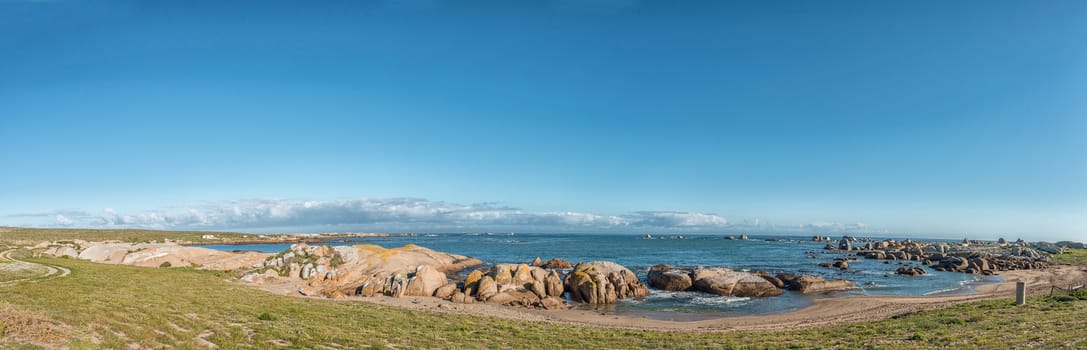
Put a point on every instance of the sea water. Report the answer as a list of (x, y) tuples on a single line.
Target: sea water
[(768, 253)]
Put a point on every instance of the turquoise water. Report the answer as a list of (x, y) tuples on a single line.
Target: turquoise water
[(769, 253)]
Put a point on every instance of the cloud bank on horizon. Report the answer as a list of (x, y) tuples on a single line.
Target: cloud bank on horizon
[(406, 214)]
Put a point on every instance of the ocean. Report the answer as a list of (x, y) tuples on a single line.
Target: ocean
[(764, 252)]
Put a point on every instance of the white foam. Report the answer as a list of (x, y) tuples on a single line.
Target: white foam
[(718, 300), (696, 297)]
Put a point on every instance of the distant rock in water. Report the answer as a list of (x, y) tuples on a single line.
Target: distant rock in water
[(556, 263), (972, 257), (910, 271)]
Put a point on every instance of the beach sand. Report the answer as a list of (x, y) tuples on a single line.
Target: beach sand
[(828, 311)]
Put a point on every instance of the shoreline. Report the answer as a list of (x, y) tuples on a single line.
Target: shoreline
[(822, 312)]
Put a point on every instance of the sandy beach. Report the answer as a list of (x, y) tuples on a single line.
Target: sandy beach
[(829, 311)]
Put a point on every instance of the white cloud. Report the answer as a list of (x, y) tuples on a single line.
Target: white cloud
[(413, 214), (676, 219), (405, 213), (63, 221), (837, 227)]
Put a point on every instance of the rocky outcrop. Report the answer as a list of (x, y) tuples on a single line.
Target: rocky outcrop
[(970, 257), (156, 255), (734, 283), (1048, 247), (1071, 245), (668, 278), (603, 282), (365, 270), (809, 284), (720, 281), (513, 284)]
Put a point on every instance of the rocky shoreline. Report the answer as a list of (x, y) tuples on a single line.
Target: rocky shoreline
[(413, 271), (974, 257)]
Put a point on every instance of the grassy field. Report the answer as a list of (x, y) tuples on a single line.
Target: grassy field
[(1071, 257), (119, 306), (27, 236)]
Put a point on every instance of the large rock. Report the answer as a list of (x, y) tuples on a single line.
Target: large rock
[(503, 273), (424, 282), (1048, 247), (1073, 245), (64, 251), (808, 284), (707, 272), (553, 284), (603, 282), (471, 283), (667, 278), (736, 283), (446, 291), (487, 288)]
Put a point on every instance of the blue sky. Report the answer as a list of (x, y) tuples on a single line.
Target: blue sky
[(924, 118)]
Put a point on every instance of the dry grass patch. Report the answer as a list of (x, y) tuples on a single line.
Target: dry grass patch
[(18, 326)]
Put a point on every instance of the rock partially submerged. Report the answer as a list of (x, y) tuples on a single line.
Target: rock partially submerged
[(808, 284), (720, 281), (670, 279), (969, 257), (733, 283)]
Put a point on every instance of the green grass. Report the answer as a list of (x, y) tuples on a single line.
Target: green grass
[(155, 308), (1070, 257), (30, 236)]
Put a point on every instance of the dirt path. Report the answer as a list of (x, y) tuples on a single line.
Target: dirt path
[(14, 264)]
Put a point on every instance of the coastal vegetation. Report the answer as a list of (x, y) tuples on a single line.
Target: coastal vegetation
[(115, 306), (1071, 256), (19, 235)]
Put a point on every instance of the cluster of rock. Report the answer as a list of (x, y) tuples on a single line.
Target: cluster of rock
[(969, 257), (838, 263), (911, 271), (724, 281), (554, 263), (603, 282), (508, 284), (361, 269)]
